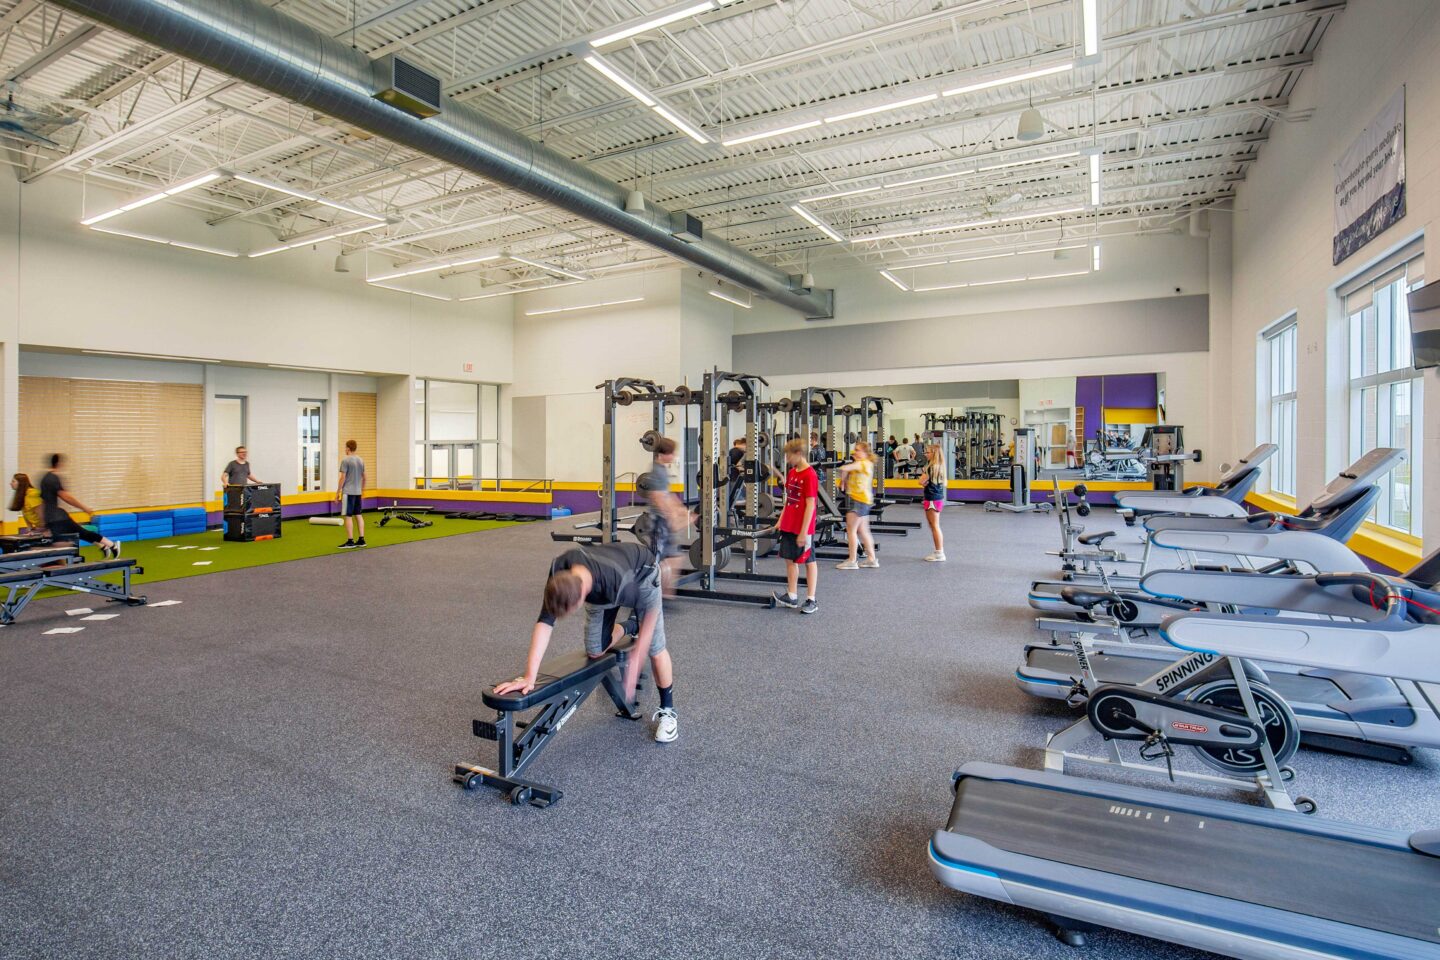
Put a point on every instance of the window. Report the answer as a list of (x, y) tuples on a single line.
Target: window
[(310, 417), (1384, 389), (1280, 342), (457, 433)]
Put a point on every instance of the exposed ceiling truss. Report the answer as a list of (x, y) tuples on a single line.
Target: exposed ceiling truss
[(1177, 105)]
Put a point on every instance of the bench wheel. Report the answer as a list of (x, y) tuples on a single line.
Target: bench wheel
[(469, 781), (519, 795)]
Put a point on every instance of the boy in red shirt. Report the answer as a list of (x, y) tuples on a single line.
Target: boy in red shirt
[(797, 528)]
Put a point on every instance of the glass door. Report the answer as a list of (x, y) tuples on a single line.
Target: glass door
[(311, 416)]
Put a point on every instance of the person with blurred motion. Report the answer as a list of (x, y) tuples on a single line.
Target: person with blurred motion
[(58, 520), (859, 479)]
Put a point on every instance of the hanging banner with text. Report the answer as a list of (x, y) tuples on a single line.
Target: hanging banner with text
[(1370, 181)]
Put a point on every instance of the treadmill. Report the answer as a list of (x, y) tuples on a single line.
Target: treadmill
[(1352, 713), (1337, 513), (1243, 881), (1225, 499)]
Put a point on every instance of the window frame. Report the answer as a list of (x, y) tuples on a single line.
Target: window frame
[(1388, 285), (1283, 402)]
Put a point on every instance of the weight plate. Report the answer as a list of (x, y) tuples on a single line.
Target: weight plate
[(648, 439), (765, 506)]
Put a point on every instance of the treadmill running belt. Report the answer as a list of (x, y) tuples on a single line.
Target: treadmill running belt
[(1347, 881)]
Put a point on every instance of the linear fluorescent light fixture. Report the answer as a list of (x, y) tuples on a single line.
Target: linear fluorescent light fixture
[(992, 283), (664, 19), (729, 299), (917, 231), (817, 223), (549, 267), (751, 137), (307, 241), (509, 293), (582, 306), (432, 267), (1094, 159), (1089, 28), (147, 356), (1025, 163), (303, 195), (680, 124), (1095, 257), (149, 198), (1010, 78), (286, 366), (620, 80), (894, 279), (416, 293), (881, 108), (1036, 214), (842, 193), (166, 242)]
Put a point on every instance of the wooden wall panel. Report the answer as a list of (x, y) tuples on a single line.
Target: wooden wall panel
[(357, 422), (128, 444)]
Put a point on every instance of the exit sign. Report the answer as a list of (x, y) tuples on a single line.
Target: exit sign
[(468, 367)]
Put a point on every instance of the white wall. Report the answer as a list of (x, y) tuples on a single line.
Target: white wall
[(66, 287), (1133, 268), (1284, 223)]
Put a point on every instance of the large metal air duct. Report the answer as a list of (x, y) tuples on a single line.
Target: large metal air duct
[(275, 52)]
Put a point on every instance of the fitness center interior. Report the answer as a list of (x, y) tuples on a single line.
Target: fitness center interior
[(669, 479)]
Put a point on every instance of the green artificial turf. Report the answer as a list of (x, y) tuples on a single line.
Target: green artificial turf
[(170, 558)]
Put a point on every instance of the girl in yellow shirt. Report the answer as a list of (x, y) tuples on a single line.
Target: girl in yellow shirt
[(26, 502), (859, 479)]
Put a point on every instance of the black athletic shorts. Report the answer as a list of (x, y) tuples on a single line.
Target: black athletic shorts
[(790, 548), (350, 506)]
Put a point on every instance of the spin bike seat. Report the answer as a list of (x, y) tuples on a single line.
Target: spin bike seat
[(1083, 597), (1095, 539)]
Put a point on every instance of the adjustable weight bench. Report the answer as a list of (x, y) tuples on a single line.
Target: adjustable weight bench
[(561, 687), (21, 586)]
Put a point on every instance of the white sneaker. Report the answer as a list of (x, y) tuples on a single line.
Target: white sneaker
[(847, 565), (667, 726), (870, 563), (936, 557)]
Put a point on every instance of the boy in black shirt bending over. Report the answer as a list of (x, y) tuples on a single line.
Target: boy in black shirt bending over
[(604, 578)]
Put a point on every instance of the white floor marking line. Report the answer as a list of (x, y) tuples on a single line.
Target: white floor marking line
[(203, 549), (167, 546), (164, 603), (190, 547), (77, 611), (102, 616), (202, 563), (63, 630)]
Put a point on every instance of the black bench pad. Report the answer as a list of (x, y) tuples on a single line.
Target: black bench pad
[(557, 674)]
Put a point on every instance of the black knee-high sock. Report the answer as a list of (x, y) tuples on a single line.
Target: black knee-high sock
[(667, 698)]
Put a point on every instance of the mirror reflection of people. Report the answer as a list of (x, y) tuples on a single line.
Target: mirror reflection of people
[(58, 519)]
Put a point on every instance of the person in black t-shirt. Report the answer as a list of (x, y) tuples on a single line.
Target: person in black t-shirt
[(604, 578), (57, 518)]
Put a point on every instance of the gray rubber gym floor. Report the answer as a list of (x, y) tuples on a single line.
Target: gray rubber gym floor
[(263, 770)]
